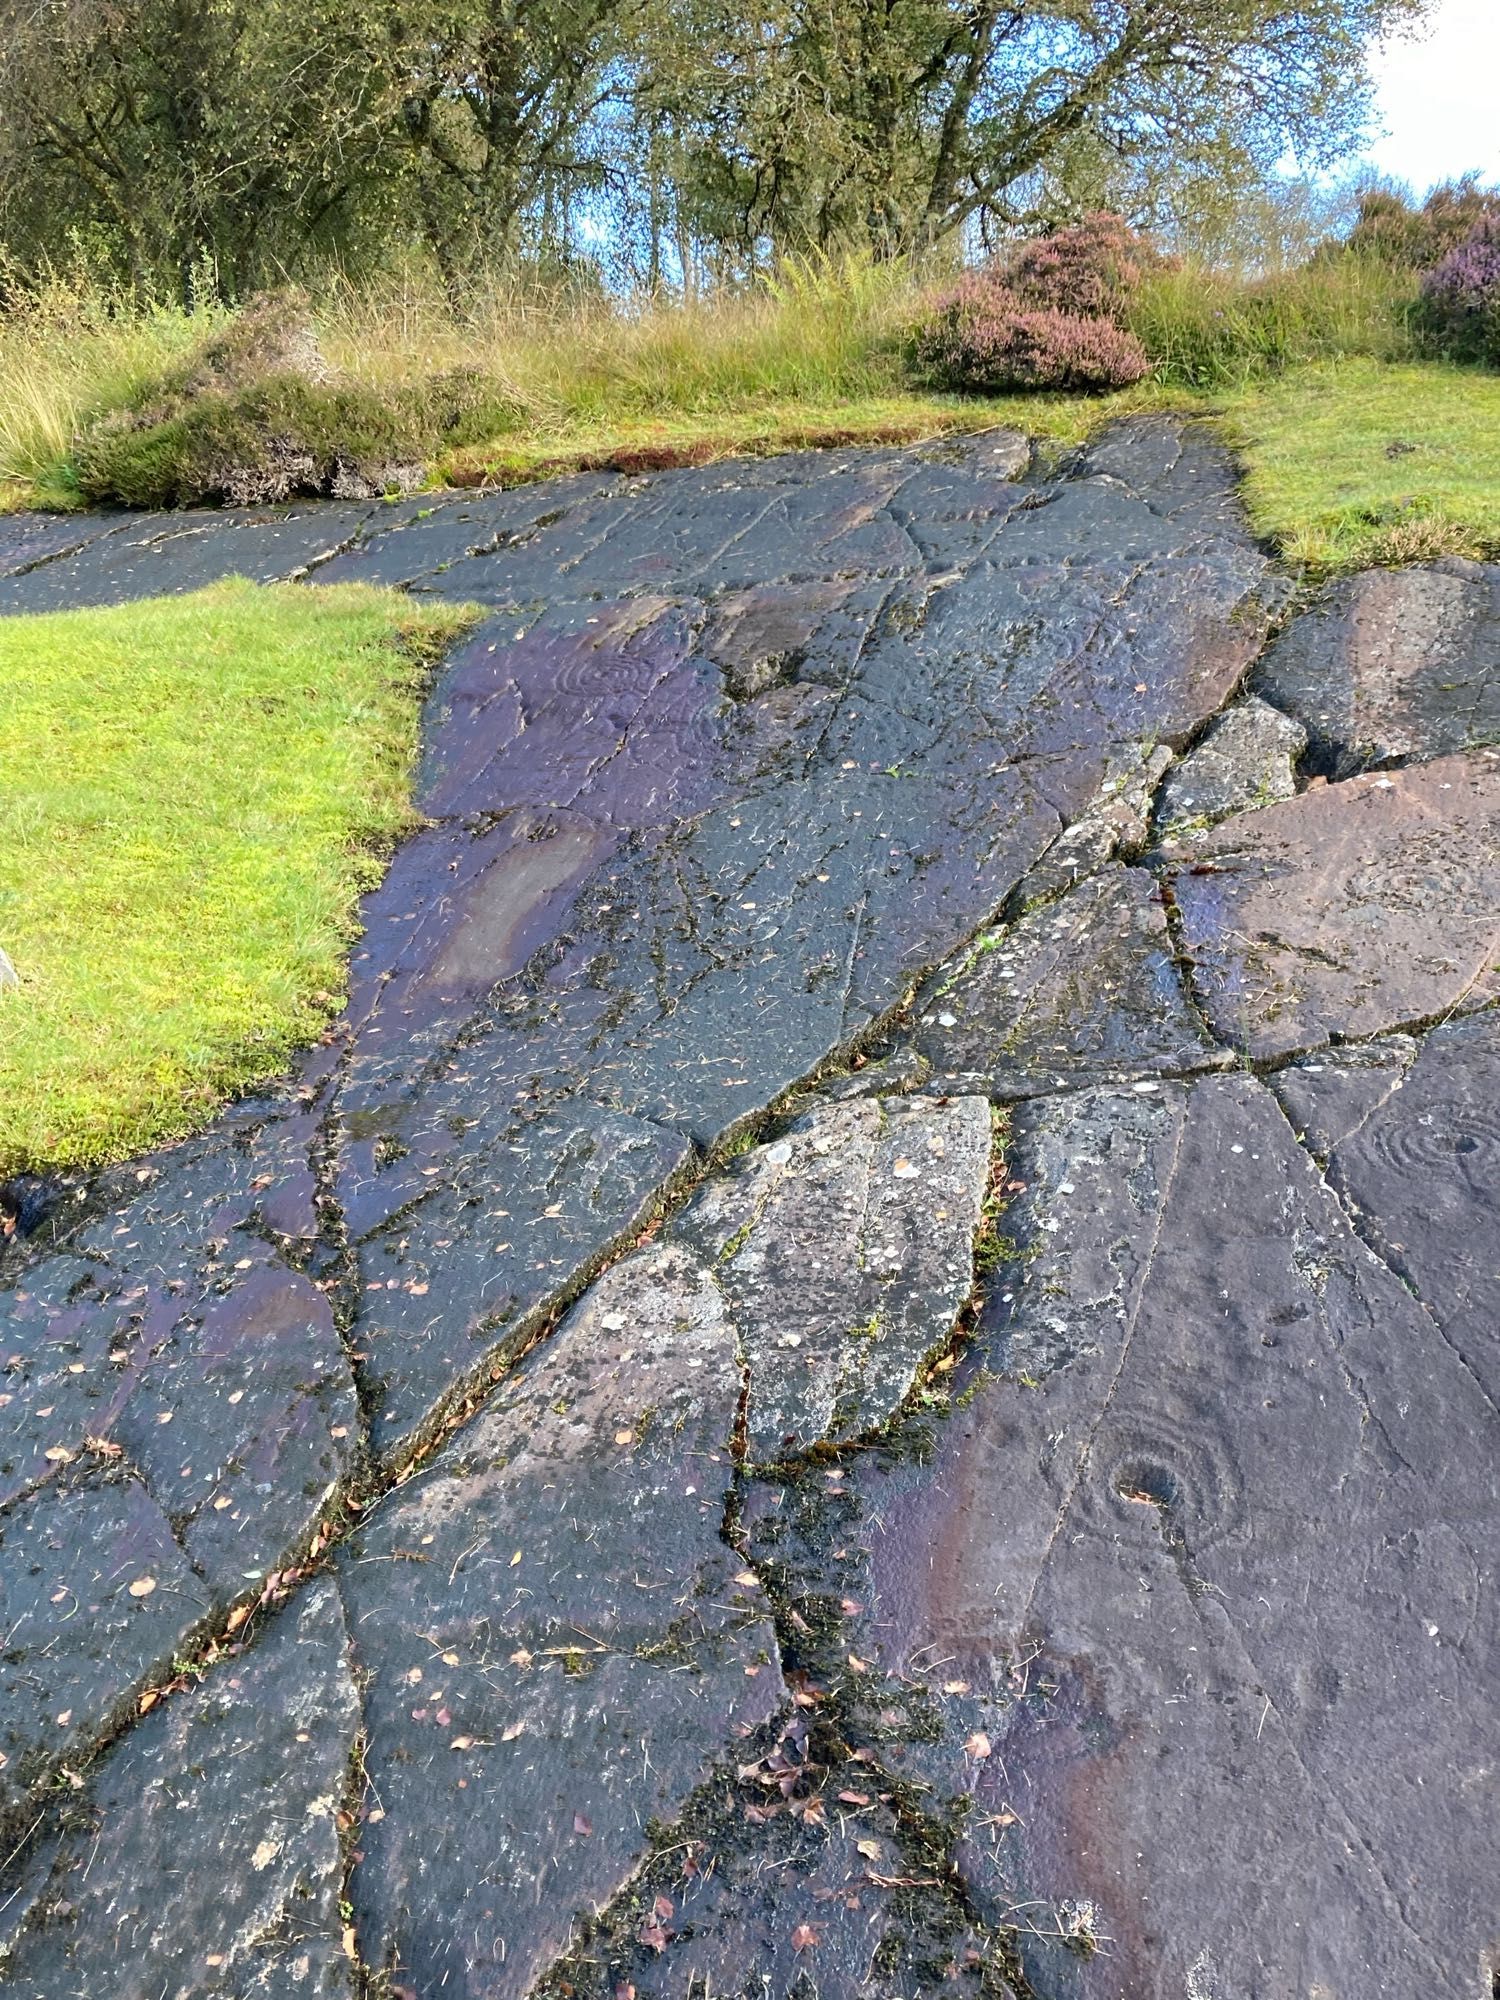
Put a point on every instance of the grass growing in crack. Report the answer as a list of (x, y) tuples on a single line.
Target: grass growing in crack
[(198, 789)]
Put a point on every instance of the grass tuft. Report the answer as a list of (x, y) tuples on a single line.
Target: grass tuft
[(198, 789)]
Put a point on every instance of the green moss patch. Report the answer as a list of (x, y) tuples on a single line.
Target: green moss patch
[(197, 790)]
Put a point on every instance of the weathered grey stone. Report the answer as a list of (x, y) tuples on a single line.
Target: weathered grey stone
[(744, 754), (1411, 1147), (1247, 758), (482, 1221), (202, 1856), (559, 1645), (1393, 664), (1352, 910), (1116, 822), (1203, 1572), (1081, 989), (845, 1251)]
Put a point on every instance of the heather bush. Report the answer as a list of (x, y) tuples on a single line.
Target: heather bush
[(982, 336), (1461, 297), (1392, 230), (1089, 270)]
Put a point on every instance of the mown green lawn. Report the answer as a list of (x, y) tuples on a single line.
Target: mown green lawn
[(196, 791), (1357, 462)]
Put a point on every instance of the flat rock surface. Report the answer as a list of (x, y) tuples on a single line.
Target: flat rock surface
[(1393, 665), (844, 1251), (557, 1647), (1079, 989), (867, 1363), (1349, 911)]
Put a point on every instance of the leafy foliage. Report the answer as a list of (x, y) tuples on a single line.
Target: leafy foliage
[(1395, 231), (205, 148)]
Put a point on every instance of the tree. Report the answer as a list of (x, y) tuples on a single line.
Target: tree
[(228, 138), (894, 123)]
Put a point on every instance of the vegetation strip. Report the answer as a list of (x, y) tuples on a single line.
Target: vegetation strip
[(199, 790)]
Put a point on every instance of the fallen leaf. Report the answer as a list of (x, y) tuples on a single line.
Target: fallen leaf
[(855, 1798), (237, 1617), (977, 1746), (511, 1731), (870, 1849), (582, 1827), (148, 1701), (515, 1558), (747, 1579), (58, 1454), (803, 1937), (143, 1586), (463, 1743), (351, 1948)]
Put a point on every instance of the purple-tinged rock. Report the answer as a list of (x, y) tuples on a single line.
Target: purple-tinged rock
[(559, 1646), (1349, 911)]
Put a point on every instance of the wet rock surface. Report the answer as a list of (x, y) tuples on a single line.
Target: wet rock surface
[(1080, 989), (867, 1364), (1393, 665)]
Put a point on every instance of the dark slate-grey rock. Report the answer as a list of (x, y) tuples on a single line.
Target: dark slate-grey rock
[(1081, 989), (158, 555), (1349, 911), (483, 1221), (181, 1337), (94, 1593), (1247, 758), (1414, 1155), (559, 1643), (1203, 1572), (202, 1856), (1393, 665), (845, 1251)]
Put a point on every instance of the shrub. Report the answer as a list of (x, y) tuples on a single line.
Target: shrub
[(1089, 270), (1392, 230), (983, 336), (1461, 298)]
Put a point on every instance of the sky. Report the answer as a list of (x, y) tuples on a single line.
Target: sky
[(1438, 97)]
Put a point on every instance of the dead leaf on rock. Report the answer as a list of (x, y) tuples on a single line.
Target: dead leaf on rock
[(511, 1731), (977, 1746), (143, 1586), (804, 1937)]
